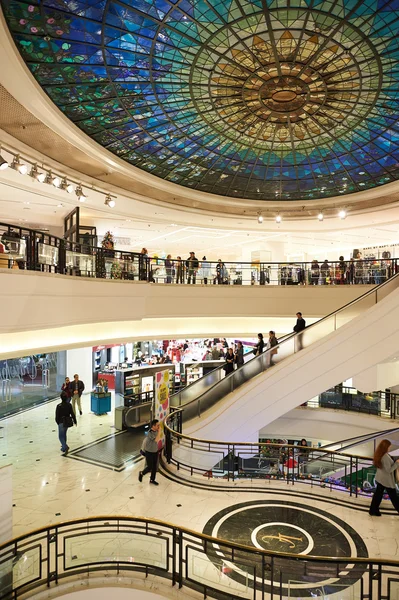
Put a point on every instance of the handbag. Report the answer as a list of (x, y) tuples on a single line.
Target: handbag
[(67, 421)]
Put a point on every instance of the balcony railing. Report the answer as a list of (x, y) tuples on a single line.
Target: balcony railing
[(104, 546), (277, 461), (33, 250)]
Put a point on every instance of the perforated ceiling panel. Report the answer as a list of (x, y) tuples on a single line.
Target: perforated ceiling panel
[(252, 99)]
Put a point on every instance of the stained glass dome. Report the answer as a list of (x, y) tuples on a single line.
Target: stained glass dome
[(255, 99)]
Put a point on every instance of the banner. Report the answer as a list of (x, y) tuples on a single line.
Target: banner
[(161, 408)]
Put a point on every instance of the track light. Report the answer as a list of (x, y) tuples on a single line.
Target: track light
[(278, 219), (80, 194), (18, 166), (3, 163), (320, 216), (342, 214), (67, 187), (41, 177), (56, 181), (109, 201), (260, 218)]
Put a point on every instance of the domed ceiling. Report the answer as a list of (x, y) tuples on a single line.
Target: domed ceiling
[(250, 99)]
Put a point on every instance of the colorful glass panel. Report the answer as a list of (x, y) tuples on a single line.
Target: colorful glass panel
[(251, 99)]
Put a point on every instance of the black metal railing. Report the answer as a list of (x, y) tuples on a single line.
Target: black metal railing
[(382, 403), (208, 390), (34, 250), (103, 546), (281, 461)]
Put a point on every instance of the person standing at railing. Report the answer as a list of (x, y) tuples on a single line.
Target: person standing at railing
[(143, 264), (169, 268), (385, 478), (350, 273), (340, 275), (192, 266), (206, 270), (314, 272), (325, 272), (219, 272), (179, 270)]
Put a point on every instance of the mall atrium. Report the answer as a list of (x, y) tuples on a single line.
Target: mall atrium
[(199, 227)]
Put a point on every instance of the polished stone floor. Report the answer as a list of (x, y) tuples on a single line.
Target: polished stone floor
[(48, 488)]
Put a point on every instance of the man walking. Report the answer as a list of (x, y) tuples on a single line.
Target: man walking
[(64, 417), (77, 387), (299, 327), (150, 448)]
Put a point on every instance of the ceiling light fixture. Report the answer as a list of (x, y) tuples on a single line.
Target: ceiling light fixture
[(278, 218), (36, 174), (18, 166), (109, 201), (260, 218), (56, 181), (320, 216), (3, 163), (67, 187), (342, 214), (80, 194)]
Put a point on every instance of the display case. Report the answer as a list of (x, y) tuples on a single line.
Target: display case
[(47, 255), (84, 263)]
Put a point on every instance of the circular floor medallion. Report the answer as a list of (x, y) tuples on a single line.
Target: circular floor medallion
[(280, 526)]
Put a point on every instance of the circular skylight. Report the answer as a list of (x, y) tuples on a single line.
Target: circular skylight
[(247, 99)]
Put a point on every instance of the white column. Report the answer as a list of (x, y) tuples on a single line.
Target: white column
[(80, 361)]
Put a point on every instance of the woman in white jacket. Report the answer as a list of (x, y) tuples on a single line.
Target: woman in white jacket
[(385, 478)]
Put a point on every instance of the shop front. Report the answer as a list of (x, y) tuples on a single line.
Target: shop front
[(30, 380)]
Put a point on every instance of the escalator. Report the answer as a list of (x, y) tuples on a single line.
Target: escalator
[(356, 337)]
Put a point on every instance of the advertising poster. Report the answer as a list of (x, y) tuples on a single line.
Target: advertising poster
[(161, 409)]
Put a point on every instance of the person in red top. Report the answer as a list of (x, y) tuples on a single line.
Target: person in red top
[(65, 388)]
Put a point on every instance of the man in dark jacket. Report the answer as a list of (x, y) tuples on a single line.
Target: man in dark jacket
[(192, 265), (77, 388), (300, 326), (150, 448), (64, 417)]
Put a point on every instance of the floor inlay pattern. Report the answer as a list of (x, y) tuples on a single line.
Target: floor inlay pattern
[(285, 526)]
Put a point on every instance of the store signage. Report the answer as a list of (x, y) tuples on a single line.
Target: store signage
[(161, 409)]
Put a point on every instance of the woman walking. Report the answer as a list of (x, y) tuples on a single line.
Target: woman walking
[(385, 478)]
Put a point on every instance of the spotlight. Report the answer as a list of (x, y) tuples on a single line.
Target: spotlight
[(80, 194), (3, 163), (278, 219), (342, 214), (260, 218), (41, 177), (67, 187), (109, 201), (320, 216), (18, 166), (56, 181)]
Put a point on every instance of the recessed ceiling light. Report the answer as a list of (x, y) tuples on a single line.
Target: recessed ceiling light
[(320, 216), (342, 214), (278, 219)]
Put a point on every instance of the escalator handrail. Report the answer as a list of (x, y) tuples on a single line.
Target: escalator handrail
[(294, 334)]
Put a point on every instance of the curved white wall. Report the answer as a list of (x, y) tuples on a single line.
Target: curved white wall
[(41, 311)]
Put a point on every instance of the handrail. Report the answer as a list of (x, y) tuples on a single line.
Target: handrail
[(361, 439), (265, 357), (203, 536), (116, 264)]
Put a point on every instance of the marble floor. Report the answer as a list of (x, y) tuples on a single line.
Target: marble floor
[(49, 488)]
